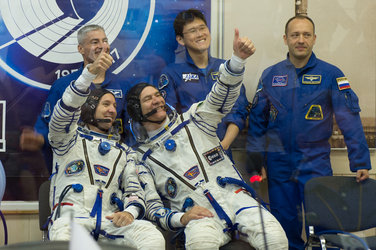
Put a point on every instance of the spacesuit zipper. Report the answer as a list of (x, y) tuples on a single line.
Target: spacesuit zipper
[(195, 151), (88, 162), (113, 169)]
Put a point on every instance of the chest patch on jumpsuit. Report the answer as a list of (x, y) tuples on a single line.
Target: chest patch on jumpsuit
[(171, 187), (163, 81), (273, 112), (214, 75), (343, 83), (311, 79), (192, 173), (190, 77), (74, 167), (214, 155), (314, 113), (118, 93), (279, 81), (101, 170)]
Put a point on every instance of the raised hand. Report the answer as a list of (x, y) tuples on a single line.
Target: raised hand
[(102, 63), (243, 47)]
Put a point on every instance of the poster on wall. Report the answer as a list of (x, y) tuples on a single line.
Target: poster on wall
[(38, 45)]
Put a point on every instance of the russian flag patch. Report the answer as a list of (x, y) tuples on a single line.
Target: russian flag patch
[(343, 83)]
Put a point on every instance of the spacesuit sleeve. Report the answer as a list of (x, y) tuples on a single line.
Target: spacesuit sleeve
[(133, 195), (238, 113), (155, 209), (63, 124), (346, 109), (219, 101)]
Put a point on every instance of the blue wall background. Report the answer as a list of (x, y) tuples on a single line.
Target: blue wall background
[(31, 60)]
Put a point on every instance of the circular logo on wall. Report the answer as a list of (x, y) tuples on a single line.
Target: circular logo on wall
[(39, 38)]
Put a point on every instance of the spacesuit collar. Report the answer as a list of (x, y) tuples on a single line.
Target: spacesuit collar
[(85, 130)]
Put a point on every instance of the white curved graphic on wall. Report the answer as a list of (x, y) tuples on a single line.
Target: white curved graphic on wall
[(47, 29)]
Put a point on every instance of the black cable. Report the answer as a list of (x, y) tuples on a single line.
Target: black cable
[(5, 228)]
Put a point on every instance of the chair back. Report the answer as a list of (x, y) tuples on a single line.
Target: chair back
[(44, 205), (340, 203)]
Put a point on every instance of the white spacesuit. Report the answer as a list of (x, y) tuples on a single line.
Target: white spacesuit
[(182, 162), (94, 176)]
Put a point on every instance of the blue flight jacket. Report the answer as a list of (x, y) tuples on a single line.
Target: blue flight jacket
[(183, 84), (291, 120)]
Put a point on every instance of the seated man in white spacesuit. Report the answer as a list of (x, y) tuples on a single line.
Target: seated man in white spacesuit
[(181, 159), (94, 179)]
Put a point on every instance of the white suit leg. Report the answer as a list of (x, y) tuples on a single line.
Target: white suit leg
[(206, 233)]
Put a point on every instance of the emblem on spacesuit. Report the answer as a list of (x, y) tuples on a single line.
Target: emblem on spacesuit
[(192, 173), (214, 75), (214, 155), (74, 167), (101, 170), (190, 77), (343, 83), (311, 79), (279, 81), (314, 113), (273, 112), (171, 187)]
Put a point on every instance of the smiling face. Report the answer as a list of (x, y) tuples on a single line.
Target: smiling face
[(196, 36), (300, 38), (150, 100), (106, 109), (95, 41)]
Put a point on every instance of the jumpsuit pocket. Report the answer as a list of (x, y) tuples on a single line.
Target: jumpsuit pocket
[(352, 101)]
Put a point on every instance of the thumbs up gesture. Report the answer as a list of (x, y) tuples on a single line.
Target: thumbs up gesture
[(243, 47)]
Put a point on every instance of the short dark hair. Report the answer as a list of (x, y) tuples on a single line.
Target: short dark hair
[(185, 17), (299, 17), (90, 106)]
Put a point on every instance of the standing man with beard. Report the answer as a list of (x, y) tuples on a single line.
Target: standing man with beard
[(291, 121), (189, 80), (92, 40)]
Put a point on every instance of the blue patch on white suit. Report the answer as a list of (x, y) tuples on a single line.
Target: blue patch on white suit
[(192, 173), (279, 81), (190, 77), (214, 155), (74, 167), (101, 170), (163, 81), (171, 187), (46, 110), (118, 93)]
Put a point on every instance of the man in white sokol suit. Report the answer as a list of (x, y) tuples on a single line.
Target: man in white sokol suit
[(181, 160), (94, 179)]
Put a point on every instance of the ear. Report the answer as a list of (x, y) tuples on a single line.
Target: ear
[(285, 39), (80, 49), (180, 40)]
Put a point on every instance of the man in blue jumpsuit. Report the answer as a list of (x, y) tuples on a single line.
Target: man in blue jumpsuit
[(291, 122), (91, 41), (191, 78)]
